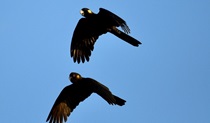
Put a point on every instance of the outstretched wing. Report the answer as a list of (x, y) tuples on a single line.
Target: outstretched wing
[(83, 40), (116, 20), (66, 102), (105, 93)]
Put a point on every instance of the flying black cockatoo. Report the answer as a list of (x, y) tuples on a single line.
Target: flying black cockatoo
[(72, 95), (88, 30)]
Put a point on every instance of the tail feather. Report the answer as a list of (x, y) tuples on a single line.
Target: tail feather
[(119, 101), (125, 37)]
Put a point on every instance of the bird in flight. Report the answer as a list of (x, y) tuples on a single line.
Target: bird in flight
[(80, 89), (88, 30)]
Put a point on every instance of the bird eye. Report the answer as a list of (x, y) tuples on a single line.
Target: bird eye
[(73, 76)]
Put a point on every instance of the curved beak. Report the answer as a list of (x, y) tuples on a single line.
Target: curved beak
[(82, 12), (70, 78)]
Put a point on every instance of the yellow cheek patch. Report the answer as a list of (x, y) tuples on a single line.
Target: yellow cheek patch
[(89, 11), (78, 76)]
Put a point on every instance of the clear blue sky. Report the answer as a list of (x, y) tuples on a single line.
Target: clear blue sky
[(165, 80)]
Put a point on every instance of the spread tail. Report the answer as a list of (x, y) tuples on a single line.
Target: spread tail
[(125, 37), (119, 101)]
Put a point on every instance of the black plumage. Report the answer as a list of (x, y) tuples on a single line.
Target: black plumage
[(72, 95), (89, 29)]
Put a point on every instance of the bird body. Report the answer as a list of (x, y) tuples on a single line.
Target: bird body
[(88, 30), (72, 95)]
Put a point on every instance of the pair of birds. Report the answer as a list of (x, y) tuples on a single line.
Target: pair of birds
[(84, 37)]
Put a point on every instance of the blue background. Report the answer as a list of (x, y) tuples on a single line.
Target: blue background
[(165, 80)]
